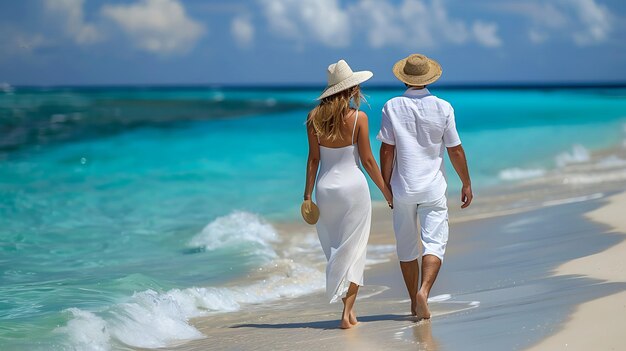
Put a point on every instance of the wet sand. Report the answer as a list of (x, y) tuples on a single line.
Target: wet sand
[(502, 287)]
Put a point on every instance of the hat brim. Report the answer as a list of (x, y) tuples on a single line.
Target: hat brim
[(433, 74), (355, 79)]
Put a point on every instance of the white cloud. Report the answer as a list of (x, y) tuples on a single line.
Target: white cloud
[(380, 31), (321, 20), (158, 26), (544, 13), (242, 30), (415, 23), (595, 19), (486, 34), (583, 21), (16, 42), (418, 24), (536, 36), (71, 13), (437, 19), (27, 42)]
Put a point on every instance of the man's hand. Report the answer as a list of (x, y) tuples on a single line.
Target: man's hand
[(466, 195), (388, 195), (457, 157)]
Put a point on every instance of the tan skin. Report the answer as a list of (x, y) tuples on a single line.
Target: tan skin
[(430, 263), (348, 317)]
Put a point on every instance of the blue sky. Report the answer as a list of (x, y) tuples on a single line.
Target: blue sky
[(68, 42)]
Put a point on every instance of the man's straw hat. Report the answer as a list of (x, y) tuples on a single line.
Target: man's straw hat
[(417, 70), (341, 77), (310, 211)]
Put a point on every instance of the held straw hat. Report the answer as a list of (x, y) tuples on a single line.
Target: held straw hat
[(417, 70), (310, 211), (341, 77)]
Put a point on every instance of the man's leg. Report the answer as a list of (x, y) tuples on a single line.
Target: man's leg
[(430, 270), (410, 273), (405, 229), (434, 232)]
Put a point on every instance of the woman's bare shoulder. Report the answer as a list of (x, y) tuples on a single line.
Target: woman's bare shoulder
[(362, 117)]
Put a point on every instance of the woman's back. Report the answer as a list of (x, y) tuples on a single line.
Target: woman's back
[(339, 159), (348, 132)]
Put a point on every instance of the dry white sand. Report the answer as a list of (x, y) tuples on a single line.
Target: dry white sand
[(598, 324)]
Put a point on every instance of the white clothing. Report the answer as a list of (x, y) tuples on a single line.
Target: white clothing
[(433, 217), (421, 126), (343, 228)]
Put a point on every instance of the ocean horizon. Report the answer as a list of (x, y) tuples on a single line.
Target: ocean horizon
[(392, 85)]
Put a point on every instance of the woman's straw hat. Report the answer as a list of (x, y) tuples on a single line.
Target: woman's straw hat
[(417, 70), (310, 211), (341, 77)]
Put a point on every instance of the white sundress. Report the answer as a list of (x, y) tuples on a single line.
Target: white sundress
[(343, 228)]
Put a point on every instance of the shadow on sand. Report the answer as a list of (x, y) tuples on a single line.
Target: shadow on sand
[(327, 324)]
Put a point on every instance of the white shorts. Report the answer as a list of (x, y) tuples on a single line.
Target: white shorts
[(433, 218)]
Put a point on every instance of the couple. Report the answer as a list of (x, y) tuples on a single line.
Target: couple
[(416, 128)]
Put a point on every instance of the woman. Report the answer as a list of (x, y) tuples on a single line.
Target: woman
[(338, 136)]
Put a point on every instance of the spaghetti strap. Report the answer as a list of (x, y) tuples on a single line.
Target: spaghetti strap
[(354, 127)]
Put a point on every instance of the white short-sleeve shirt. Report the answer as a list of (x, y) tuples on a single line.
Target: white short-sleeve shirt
[(421, 126)]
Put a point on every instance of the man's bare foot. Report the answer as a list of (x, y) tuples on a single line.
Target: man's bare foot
[(413, 307), (422, 306)]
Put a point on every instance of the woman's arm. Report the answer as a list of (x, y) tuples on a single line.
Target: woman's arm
[(313, 162), (367, 159)]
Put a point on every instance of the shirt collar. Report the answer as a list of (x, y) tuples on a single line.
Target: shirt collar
[(413, 92)]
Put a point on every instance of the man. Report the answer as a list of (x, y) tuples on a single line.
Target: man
[(416, 128)]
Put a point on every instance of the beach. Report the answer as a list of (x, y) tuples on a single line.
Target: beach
[(597, 324), (510, 281), (124, 229), (516, 277)]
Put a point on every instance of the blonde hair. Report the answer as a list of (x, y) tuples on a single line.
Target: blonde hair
[(328, 116)]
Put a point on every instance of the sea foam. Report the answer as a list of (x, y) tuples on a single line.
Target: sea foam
[(238, 229), (520, 173), (578, 155), (156, 319)]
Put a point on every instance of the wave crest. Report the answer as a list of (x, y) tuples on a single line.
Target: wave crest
[(520, 173), (153, 319), (238, 229)]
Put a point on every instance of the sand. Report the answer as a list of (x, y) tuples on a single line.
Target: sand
[(519, 293), (599, 324)]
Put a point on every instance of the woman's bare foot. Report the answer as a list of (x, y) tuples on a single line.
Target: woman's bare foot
[(345, 323), (352, 317), (421, 308)]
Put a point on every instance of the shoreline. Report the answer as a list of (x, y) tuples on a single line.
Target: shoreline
[(305, 320), (597, 324), (279, 293)]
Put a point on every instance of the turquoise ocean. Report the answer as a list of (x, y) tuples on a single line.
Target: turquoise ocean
[(126, 211)]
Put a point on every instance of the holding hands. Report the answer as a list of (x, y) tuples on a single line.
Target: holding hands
[(388, 195)]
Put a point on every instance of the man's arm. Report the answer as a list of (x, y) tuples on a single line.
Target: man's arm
[(386, 162), (457, 157)]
